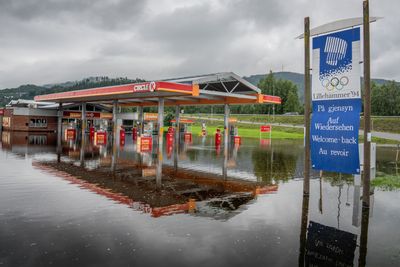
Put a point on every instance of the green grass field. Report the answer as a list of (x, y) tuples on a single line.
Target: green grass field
[(379, 124), (278, 132), (387, 183), (251, 132)]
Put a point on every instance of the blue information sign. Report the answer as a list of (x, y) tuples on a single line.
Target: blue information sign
[(334, 135), (336, 102)]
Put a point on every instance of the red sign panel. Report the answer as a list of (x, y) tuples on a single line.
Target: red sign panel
[(265, 128), (146, 144), (1, 112), (100, 138), (237, 140), (187, 137), (272, 99), (89, 115), (70, 134)]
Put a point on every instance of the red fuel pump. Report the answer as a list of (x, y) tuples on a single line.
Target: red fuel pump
[(218, 138), (134, 133), (170, 138), (91, 133), (122, 136), (170, 147), (187, 137), (237, 140)]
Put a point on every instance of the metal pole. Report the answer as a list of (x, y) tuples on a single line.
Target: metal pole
[(307, 108), (160, 141), (141, 120), (226, 141), (226, 124), (115, 124), (273, 105), (177, 120), (83, 121), (83, 132), (59, 131), (177, 135), (115, 136), (367, 108)]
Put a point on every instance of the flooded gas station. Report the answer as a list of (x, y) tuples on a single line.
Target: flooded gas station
[(86, 184), (103, 204)]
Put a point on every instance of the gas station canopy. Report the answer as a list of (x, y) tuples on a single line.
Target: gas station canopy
[(210, 89)]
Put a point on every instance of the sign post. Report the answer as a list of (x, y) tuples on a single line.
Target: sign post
[(307, 110), (367, 107)]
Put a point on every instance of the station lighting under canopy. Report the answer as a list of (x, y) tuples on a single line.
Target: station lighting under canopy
[(210, 89)]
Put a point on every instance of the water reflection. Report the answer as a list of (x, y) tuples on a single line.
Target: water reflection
[(322, 245), (254, 212), (23, 143), (274, 165)]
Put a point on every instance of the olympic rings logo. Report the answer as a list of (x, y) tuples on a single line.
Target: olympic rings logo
[(335, 83)]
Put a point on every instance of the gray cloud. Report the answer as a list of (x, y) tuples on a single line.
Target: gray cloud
[(51, 41), (105, 14)]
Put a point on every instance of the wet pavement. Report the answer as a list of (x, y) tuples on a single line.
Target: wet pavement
[(100, 206)]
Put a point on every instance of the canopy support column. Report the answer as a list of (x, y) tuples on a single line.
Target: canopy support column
[(160, 141), (177, 135), (226, 124), (83, 132), (226, 140), (141, 120), (115, 135), (59, 131)]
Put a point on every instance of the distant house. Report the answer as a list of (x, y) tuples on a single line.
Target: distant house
[(32, 116), (28, 115)]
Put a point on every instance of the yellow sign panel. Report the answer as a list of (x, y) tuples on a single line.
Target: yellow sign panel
[(104, 115), (232, 120), (77, 115), (150, 116), (7, 122)]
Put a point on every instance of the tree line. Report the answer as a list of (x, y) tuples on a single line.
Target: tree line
[(29, 91), (385, 99)]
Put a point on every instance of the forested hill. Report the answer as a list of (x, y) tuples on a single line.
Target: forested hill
[(296, 78), (385, 94), (28, 91)]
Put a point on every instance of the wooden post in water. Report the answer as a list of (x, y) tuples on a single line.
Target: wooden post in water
[(303, 230), (363, 237), (307, 108), (367, 108)]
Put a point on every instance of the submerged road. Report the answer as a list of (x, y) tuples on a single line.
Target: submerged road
[(384, 135)]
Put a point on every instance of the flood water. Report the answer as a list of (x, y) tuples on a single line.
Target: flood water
[(99, 206)]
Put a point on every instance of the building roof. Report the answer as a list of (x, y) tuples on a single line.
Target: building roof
[(28, 103)]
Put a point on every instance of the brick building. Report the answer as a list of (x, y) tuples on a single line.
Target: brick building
[(30, 116)]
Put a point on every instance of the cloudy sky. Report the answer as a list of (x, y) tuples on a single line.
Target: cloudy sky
[(48, 41)]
